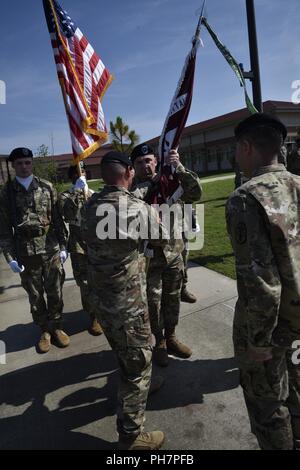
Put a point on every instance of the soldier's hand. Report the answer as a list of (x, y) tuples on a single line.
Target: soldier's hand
[(80, 183), (258, 355), (63, 256), (15, 267), (173, 158)]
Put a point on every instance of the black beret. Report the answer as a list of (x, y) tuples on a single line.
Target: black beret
[(259, 120), (20, 152), (141, 151), (117, 157)]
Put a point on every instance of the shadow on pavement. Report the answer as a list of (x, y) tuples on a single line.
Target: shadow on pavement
[(50, 422), (187, 381), (19, 337), (53, 412)]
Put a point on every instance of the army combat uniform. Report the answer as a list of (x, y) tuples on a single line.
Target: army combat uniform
[(293, 161), (70, 204), (40, 236), (263, 222), (118, 293), (166, 268)]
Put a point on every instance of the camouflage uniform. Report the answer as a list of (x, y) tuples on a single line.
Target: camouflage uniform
[(282, 157), (40, 236), (263, 223), (166, 268), (293, 160), (70, 204), (118, 292)]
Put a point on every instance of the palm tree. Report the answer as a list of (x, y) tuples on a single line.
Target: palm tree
[(123, 140)]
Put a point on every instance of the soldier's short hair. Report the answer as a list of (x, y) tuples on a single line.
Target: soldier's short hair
[(258, 120), (267, 133)]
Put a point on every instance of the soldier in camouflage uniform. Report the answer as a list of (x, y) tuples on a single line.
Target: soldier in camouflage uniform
[(32, 236), (186, 295), (70, 204), (263, 222), (118, 292), (293, 160), (165, 271), (282, 157)]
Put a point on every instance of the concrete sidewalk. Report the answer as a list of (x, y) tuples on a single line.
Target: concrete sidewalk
[(66, 399)]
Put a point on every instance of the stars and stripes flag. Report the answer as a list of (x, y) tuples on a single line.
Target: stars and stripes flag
[(83, 79), (169, 186)]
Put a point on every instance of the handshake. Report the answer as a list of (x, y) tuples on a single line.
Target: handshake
[(18, 269)]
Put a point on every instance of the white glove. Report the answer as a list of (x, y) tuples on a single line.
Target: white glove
[(15, 267), (63, 256), (81, 183), (197, 229)]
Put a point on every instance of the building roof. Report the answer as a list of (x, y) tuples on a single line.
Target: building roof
[(233, 117), (65, 159), (271, 106)]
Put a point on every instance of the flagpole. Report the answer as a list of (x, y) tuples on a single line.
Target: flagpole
[(197, 34)]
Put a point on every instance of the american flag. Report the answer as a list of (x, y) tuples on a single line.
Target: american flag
[(83, 79), (169, 186)]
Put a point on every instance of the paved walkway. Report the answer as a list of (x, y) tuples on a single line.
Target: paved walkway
[(217, 178), (66, 399)]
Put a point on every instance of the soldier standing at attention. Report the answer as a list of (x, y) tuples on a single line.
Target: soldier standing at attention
[(32, 236), (263, 221), (166, 267), (118, 291), (70, 204)]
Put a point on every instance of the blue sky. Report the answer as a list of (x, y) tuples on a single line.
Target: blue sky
[(144, 44)]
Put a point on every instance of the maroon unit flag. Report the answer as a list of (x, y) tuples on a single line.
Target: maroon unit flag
[(170, 188), (83, 79)]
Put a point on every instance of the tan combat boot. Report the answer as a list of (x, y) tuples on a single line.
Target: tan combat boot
[(144, 441), (160, 353), (188, 297), (62, 338), (44, 343), (95, 328), (175, 347)]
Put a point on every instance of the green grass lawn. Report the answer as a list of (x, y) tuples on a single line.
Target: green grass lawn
[(96, 185), (217, 251)]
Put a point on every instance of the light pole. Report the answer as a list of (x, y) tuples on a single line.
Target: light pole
[(254, 75)]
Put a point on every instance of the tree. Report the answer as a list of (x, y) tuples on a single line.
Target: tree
[(46, 168), (122, 139), (42, 151)]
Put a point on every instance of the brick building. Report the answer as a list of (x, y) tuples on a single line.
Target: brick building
[(208, 146), (63, 162)]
